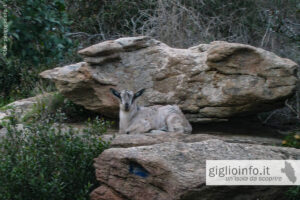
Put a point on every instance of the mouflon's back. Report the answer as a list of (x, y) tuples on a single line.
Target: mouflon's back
[(176, 118), (162, 117)]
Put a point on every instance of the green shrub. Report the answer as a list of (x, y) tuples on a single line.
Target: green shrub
[(48, 107), (36, 30), (292, 140), (293, 193), (36, 42), (18, 81), (42, 162)]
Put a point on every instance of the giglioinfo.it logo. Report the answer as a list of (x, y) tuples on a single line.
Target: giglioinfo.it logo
[(253, 172)]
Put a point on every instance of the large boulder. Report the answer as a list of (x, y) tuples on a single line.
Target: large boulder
[(176, 170), (210, 82)]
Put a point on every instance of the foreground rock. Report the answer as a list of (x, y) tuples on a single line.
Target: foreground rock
[(147, 139), (210, 82), (176, 170)]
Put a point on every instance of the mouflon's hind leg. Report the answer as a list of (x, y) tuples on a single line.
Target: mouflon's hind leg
[(175, 123), (142, 126)]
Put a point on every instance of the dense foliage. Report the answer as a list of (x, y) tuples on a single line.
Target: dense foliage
[(292, 140), (35, 42), (36, 30), (293, 193), (45, 161)]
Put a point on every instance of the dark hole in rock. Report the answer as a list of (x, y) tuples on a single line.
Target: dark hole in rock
[(137, 169)]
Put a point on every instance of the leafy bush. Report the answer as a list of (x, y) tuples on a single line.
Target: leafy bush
[(36, 29), (293, 193), (97, 125), (292, 140), (47, 107), (19, 82), (42, 162), (36, 42)]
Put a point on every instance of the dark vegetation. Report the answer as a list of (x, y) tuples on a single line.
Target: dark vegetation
[(43, 161), (47, 163), (49, 106)]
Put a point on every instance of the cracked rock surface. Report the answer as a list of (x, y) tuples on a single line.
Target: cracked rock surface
[(209, 82)]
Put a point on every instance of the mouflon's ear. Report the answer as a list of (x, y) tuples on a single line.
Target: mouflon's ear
[(115, 92), (139, 93)]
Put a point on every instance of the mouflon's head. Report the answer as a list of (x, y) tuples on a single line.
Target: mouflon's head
[(127, 98)]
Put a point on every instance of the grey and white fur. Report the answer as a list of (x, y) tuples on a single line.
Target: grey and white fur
[(137, 119)]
